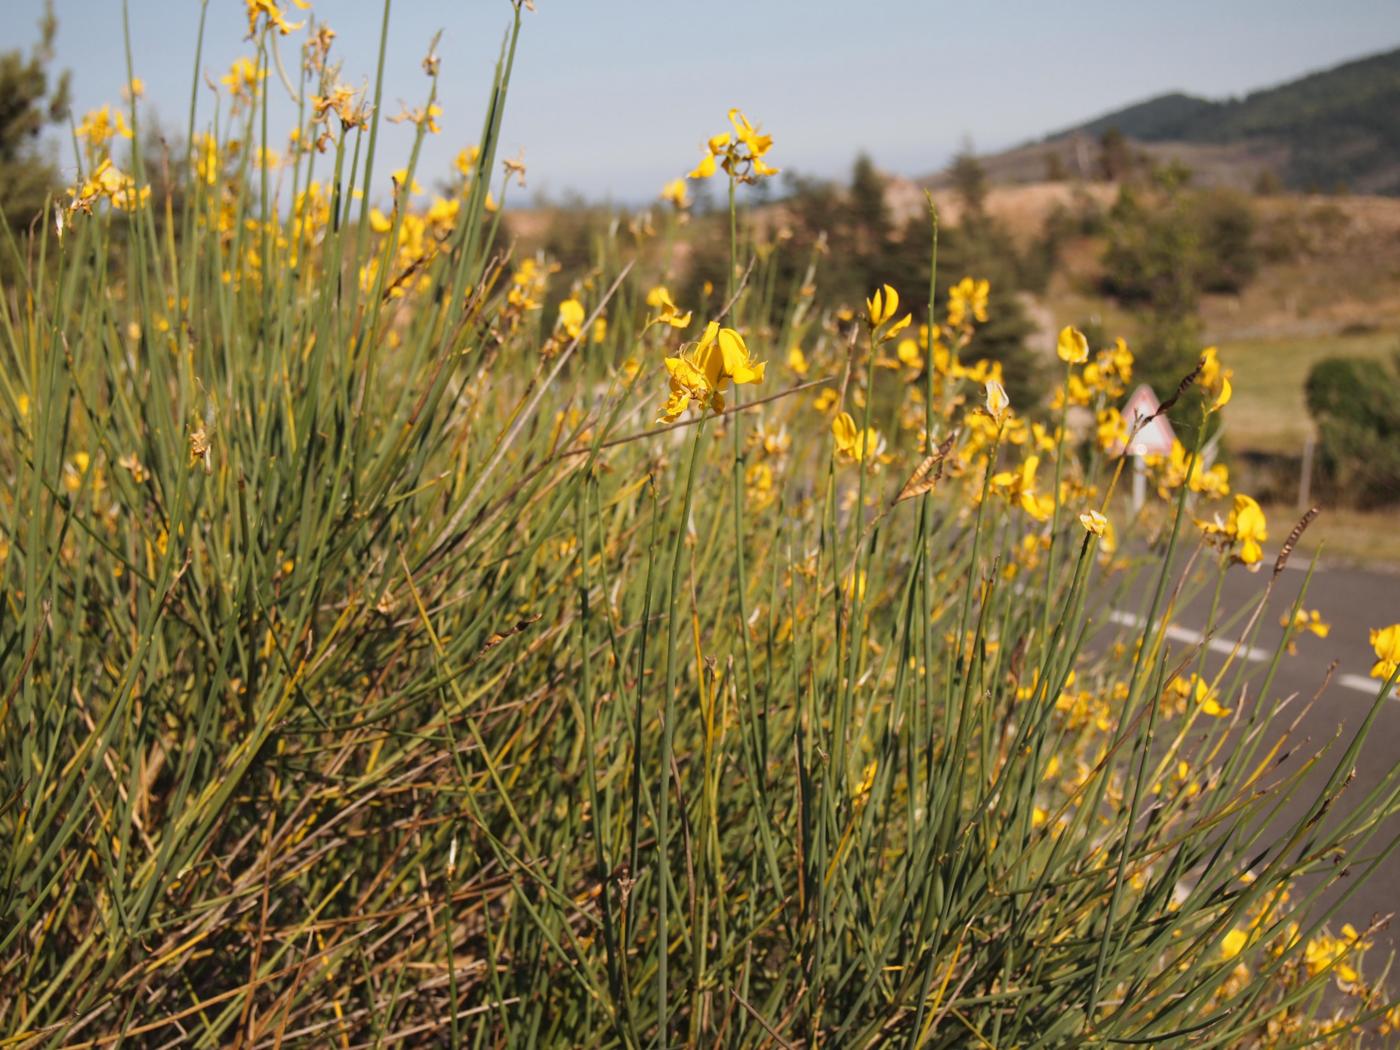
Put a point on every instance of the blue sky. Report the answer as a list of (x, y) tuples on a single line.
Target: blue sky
[(613, 97)]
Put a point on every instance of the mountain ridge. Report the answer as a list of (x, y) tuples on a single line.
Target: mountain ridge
[(1330, 129)]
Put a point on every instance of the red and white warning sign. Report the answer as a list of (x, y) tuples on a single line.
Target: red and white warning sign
[(1155, 438)]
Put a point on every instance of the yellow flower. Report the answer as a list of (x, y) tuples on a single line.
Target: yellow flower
[(1019, 487), (1250, 529), (852, 444), (1072, 347), (968, 299), (1233, 943), (465, 162), (660, 299), (106, 181), (442, 214), (100, 125), (571, 315), (700, 375), (739, 365), (740, 154), (400, 177), (881, 306), (867, 780), (243, 77), (274, 16), (1245, 526), (1307, 621), (1093, 522), (704, 169), (758, 482), (1206, 698), (826, 400), (1324, 951), (908, 353), (1214, 379), (676, 192), (998, 404), (797, 360), (1386, 642)]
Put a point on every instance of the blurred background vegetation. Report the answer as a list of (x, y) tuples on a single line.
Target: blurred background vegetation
[(1180, 222)]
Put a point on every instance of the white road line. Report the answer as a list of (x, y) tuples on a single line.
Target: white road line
[(1190, 637), (1360, 683)]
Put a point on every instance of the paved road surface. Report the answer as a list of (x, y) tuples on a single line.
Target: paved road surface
[(1353, 601)]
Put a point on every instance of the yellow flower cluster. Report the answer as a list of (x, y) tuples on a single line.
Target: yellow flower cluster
[(272, 13), (106, 182), (1244, 529), (740, 154), (700, 375)]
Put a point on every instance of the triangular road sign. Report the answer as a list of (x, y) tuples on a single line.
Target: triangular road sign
[(1157, 436)]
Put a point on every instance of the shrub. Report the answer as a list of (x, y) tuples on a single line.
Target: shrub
[(1355, 405), (374, 671)]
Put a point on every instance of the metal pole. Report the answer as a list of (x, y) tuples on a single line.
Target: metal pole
[(1139, 484), (1305, 473)]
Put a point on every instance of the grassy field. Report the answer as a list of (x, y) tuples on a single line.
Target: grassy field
[(402, 645), (1269, 412)]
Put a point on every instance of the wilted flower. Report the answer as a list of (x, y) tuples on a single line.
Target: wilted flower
[(998, 404), (1093, 522)]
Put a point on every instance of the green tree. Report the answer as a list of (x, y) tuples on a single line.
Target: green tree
[(1115, 155), (981, 247), (969, 178), (1355, 404), (868, 213), (28, 104)]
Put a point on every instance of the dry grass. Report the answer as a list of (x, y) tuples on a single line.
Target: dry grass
[(1354, 537)]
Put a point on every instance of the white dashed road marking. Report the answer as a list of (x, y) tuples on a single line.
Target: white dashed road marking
[(1360, 683)]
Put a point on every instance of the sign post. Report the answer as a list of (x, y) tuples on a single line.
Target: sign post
[(1149, 434)]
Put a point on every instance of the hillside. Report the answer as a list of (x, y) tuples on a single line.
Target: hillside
[(1330, 130), (1333, 128)]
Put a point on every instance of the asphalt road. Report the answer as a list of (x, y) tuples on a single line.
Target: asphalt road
[(1352, 601)]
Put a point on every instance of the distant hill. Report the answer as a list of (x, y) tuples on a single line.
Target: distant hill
[(1336, 129)]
